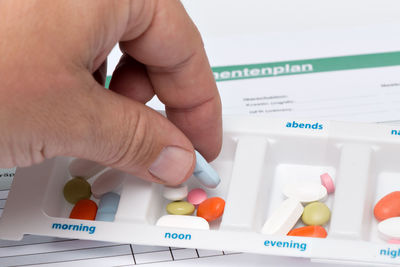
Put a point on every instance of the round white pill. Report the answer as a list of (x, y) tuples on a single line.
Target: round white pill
[(305, 192), (175, 193), (84, 168), (107, 182), (390, 228), (283, 218), (183, 221)]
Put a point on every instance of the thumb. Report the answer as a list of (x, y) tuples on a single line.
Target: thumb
[(122, 133)]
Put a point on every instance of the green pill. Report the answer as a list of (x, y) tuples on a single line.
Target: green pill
[(76, 189), (180, 208), (316, 213)]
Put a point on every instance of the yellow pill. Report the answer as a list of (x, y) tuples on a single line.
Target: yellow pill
[(180, 208), (316, 213)]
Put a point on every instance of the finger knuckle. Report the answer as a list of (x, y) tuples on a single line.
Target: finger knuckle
[(135, 142)]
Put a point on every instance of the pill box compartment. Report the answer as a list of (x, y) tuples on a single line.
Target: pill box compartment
[(54, 203), (223, 165), (294, 160), (385, 172)]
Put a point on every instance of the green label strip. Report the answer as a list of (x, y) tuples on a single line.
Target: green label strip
[(304, 66), (237, 72), (108, 79)]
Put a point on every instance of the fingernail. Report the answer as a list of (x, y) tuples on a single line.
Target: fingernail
[(172, 165)]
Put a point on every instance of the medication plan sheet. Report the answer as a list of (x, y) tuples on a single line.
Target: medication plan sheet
[(310, 74), (321, 77)]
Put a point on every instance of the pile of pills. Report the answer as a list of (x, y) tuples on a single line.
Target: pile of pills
[(387, 212), (208, 209), (314, 214), (78, 191)]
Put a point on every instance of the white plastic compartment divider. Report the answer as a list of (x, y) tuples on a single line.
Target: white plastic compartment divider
[(241, 203), (352, 183), (36, 206), (135, 191)]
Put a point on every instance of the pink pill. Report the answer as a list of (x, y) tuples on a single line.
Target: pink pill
[(394, 241), (327, 182), (196, 196)]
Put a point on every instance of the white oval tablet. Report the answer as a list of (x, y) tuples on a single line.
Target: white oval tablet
[(107, 182), (183, 221), (283, 218), (175, 193), (305, 192), (84, 168), (390, 228)]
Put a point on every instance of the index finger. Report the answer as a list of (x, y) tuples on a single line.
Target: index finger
[(173, 52)]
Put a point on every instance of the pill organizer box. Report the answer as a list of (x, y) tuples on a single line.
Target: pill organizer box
[(259, 155)]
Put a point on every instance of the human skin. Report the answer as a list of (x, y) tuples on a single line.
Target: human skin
[(51, 104)]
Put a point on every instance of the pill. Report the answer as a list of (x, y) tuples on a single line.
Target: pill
[(309, 231), (211, 209), (175, 193), (84, 209), (327, 182), (105, 216), (183, 221), (316, 213), (76, 189), (204, 173), (390, 228), (107, 182), (305, 192), (283, 218), (388, 206), (84, 168), (196, 196), (109, 202), (394, 241), (180, 208)]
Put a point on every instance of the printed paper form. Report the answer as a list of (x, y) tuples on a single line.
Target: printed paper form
[(357, 94)]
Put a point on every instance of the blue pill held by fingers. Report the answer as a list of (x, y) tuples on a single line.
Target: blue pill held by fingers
[(205, 173)]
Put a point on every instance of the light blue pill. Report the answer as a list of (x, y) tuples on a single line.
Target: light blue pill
[(105, 216), (205, 173), (109, 202)]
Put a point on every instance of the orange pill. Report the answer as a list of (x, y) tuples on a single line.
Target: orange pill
[(388, 206), (309, 231), (84, 209), (211, 209)]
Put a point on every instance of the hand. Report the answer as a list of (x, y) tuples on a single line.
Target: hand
[(51, 104)]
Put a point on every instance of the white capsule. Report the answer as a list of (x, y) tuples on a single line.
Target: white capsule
[(390, 228), (305, 192), (84, 168), (175, 193), (283, 218), (107, 182), (183, 221)]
